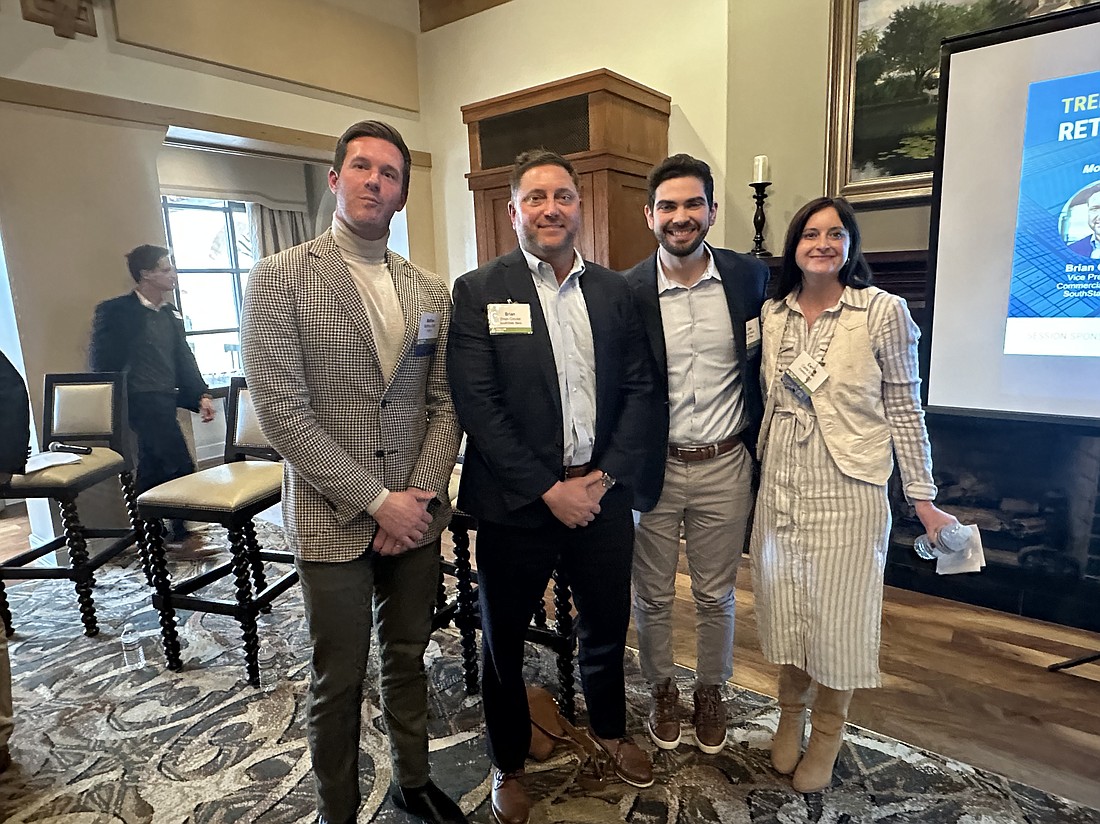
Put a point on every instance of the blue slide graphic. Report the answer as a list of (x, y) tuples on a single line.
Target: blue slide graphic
[(1051, 280)]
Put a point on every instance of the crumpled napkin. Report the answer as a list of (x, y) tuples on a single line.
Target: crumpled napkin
[(969, 559)]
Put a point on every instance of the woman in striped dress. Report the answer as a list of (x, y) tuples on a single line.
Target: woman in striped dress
[(839, 366)]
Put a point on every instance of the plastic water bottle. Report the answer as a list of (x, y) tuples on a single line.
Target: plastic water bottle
[(133, 653), (951, 539), (269, 676)]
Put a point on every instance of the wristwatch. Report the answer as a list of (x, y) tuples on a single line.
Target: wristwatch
[(608, 481)]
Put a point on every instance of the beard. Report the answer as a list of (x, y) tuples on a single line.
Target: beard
[(680, 250)]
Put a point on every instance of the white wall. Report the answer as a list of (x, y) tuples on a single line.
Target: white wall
[(677, 49)]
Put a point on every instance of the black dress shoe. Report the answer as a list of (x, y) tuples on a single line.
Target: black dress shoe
[(322, 820), (428, 803)]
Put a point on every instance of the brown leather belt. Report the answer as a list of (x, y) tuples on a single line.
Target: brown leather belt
[(688, 454), (578, 471)]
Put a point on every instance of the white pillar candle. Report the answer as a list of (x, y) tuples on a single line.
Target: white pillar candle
[(760, 169)]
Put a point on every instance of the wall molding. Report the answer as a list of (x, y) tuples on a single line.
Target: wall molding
[(195, 129)]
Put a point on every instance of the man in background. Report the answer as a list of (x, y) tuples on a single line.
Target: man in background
[(343, 344), (142, 334), (701, 308)]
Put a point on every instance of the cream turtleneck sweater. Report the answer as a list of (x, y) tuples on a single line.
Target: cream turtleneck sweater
[(366, 261)]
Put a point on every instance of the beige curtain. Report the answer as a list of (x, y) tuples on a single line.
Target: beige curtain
[(274, 230)]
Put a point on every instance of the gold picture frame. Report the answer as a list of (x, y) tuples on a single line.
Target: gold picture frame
[(866, 162)]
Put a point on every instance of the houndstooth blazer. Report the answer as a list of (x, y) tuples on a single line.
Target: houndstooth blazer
[(313, 371)]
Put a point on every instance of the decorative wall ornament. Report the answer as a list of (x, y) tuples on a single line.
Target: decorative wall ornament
[(67, 17)]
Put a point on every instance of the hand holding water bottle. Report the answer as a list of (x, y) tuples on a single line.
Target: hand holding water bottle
[(938, 525)]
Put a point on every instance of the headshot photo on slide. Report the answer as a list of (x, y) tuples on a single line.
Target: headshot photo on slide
[(1080, 221)]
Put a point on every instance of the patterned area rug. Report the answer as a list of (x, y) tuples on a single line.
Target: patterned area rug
[(94, 744)]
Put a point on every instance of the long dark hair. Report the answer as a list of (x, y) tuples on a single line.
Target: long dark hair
[(855, 273)]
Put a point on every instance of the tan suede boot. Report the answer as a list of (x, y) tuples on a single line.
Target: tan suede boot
[(794, 686), (815, 770)]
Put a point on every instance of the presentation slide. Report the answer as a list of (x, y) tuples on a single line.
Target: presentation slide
[(1016, 304), (1054, 304)]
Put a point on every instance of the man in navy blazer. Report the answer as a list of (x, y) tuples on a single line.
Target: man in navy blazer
[(701, 309), (553, 383), (142, 334)]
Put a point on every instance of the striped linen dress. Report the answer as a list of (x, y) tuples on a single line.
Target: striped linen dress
[(819, 537)]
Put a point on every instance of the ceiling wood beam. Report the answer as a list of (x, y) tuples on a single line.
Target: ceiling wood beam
[(436, 13)]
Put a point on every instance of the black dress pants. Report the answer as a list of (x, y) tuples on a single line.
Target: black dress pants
[(514, 565), (162, 451)]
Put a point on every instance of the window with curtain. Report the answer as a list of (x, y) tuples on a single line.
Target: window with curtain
[(211, 242)]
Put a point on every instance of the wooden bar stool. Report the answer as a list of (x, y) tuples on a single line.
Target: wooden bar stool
[(230, 495), (80, 408)]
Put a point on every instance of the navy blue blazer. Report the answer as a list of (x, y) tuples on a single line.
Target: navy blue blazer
[(118, 323), (505, 390), (743, 279), (15, 419)]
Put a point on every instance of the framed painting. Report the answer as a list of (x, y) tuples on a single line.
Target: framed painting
[(884, 89)]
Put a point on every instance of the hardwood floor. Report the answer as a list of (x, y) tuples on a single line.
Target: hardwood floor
[(963, 681)]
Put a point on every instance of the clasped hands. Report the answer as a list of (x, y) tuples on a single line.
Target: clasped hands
[(403, 521), (576, 501)]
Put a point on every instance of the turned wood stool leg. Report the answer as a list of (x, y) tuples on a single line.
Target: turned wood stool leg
[(563, 620), (78, 562), (129, 495), (246, 608), (466, 614), (162, 583), (255, 562)]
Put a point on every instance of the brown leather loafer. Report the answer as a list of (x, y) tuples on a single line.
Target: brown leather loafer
[(510, 802), (628, 761)]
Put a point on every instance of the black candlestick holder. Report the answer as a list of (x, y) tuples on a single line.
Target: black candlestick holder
[(758, 219)]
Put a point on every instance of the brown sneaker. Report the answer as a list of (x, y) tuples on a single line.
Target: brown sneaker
[(510, 803), (664, 715), (709, 720), (628, 761)]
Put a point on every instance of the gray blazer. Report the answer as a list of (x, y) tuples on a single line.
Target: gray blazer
[(313, 371)]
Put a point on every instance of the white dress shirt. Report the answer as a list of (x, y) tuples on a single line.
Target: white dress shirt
[(705, 401), (570, 329)]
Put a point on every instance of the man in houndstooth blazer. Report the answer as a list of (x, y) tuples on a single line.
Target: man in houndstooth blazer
[(343, 344)]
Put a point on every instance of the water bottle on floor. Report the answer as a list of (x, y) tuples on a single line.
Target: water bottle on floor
[(269, 676), (133, 653), (951, 539)]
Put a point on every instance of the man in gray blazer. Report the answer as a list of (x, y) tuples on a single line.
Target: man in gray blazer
[(344, 347)]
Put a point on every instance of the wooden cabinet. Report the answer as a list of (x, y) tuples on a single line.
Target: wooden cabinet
[(611, 129)]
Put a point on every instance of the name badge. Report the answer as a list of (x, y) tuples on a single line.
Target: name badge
[(427, 334), (752, 333), (804, 377), (509, 318)]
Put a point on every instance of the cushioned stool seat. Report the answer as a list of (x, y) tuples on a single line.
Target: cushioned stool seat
[(100, 465), (230, 495), (226, 488)]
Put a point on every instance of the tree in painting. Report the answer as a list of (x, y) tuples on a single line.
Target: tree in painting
[(897, 74)]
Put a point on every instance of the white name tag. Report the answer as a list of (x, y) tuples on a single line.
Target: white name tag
[(427, 334), (509, 318), (804, 377), (752, 333)]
